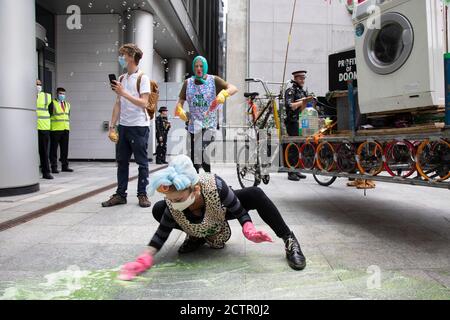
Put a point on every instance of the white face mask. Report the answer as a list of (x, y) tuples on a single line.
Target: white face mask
[(180, 206), (39, 89)]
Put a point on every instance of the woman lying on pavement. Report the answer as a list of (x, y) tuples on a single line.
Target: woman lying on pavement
[(201, 205)]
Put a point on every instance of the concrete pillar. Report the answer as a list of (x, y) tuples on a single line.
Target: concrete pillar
[(237, 62), (177, 70), (19, 160), (139, 31)]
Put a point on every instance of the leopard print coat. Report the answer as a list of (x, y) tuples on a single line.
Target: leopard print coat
[(214, 227)]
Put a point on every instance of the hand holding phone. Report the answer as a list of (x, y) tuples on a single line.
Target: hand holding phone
[(112, 78)]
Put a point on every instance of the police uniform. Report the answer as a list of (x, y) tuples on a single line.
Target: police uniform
[(293, 94), (162, 130)]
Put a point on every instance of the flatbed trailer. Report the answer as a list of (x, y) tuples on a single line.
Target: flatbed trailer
[(424, 150), (417, 155), (438, 135)]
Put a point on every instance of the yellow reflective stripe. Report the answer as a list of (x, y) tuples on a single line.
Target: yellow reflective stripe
[(43, 118)]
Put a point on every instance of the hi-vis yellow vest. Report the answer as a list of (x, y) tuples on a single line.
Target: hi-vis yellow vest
[(43, 116), (60, 119)]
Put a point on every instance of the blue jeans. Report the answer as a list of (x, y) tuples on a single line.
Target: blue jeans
[(132, 140)]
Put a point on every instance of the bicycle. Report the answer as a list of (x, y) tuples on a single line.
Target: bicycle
[(252, 171)]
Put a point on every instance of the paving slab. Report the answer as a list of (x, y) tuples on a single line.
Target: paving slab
[(393, 243)]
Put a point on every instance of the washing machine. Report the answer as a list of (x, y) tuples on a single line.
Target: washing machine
[(399, 54)]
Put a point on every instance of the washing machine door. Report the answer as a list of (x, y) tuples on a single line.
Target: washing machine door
[(387, 48)]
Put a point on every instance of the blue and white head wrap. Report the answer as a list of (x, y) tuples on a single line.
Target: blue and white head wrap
[(180, 173)]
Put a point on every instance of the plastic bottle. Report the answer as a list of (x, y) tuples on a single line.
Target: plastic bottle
[(309, 121)]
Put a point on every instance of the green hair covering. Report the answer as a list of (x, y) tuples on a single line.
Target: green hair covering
[(205, 68)]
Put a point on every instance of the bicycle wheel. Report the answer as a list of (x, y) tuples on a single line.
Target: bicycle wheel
[(308, 156), (345, 154), (247, 168), (369, 158), (399, 159), (325, 157), (324, 181), (292, 151), (433, 160)]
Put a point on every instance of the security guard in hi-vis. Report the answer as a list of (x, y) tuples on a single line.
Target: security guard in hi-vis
[(43, 127), (296, 99), (60, 129)]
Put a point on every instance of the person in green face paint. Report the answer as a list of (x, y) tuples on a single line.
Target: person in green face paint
[(204, 94)]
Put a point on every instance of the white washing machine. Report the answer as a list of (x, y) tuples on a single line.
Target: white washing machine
[(400, 55)]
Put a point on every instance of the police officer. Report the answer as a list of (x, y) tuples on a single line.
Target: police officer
[(43, 127), (162, 130), (60, 130), (296, 99)]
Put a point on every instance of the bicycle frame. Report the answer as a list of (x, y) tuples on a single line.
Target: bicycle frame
[(272, 105)]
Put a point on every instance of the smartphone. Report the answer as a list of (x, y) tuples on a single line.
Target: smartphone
[(112, 78)]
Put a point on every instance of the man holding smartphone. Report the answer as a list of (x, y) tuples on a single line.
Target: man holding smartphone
[(134, 125)]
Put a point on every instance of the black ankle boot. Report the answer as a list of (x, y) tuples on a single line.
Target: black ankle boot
[(294, 254)]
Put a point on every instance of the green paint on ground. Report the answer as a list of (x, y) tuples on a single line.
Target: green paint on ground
[(71, 284), (232, 277)]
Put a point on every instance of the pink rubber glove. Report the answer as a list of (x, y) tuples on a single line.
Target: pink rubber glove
[(251, 234), (132, 269)]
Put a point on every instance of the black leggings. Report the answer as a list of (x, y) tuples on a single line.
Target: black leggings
[(251, 199), (199, 143)]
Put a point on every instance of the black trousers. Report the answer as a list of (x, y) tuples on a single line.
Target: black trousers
[(199, 143), (252, 198), (59, 139), (161, 150), (44, 147)]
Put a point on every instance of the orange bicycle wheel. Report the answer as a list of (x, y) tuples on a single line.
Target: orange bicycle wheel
[(369, 158), (288, 152), (325, 157), (433, 160), (308, 156)]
